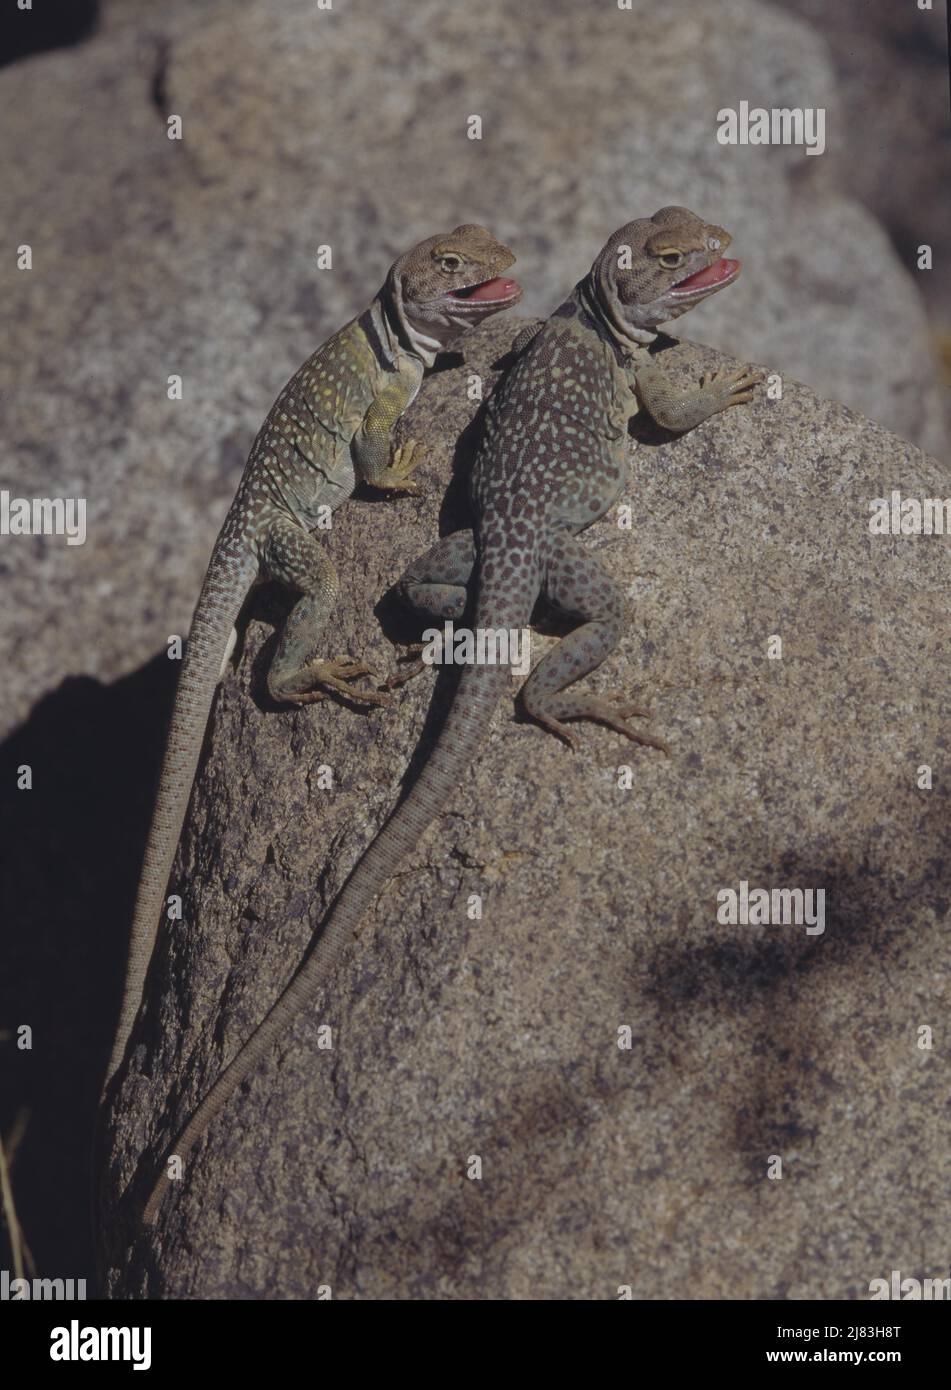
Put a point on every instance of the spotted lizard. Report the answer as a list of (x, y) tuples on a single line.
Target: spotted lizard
[(330, 425), (553, 458)]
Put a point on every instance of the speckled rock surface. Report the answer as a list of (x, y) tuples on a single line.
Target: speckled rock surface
[(498, 1037)]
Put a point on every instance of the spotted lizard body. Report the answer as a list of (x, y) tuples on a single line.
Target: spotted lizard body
[(330, 425)]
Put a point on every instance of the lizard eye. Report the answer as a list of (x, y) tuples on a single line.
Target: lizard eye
[(714, 243), (670, 260), (450, 263)]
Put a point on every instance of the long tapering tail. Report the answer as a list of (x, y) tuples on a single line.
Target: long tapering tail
[(227, 582), (479, 692)]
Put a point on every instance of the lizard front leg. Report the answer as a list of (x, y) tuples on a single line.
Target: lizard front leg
[(680, 408), (377, 461), (293, 557)]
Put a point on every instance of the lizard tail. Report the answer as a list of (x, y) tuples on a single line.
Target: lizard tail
[(479, 692), (227, 583)]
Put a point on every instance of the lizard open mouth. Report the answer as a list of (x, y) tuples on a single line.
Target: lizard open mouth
[(710, 278), (499, 290)]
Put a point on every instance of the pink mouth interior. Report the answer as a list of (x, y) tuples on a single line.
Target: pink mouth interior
[(499, 288), (715, 274)]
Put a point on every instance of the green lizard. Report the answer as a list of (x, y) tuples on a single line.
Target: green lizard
[(330, 425), (553, 459)]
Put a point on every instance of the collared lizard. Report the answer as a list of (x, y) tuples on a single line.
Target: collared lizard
[(552, 460), (330, 425)]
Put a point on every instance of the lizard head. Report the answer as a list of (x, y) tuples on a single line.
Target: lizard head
[(451, 282), (656, 268)]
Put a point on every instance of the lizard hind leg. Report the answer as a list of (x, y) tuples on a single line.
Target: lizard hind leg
[(298, 674), (436, 586), (577, 586)]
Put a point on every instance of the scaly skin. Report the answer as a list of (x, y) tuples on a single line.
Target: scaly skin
[(552, 460), (330, 425)]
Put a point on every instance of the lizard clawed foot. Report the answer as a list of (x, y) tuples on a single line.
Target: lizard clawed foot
[(336, 676), (613, 710), (409, 667), (734, 385), (406, 459), (554, 726)]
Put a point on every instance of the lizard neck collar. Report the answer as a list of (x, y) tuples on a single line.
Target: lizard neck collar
[(602, 303), (400, 333)]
